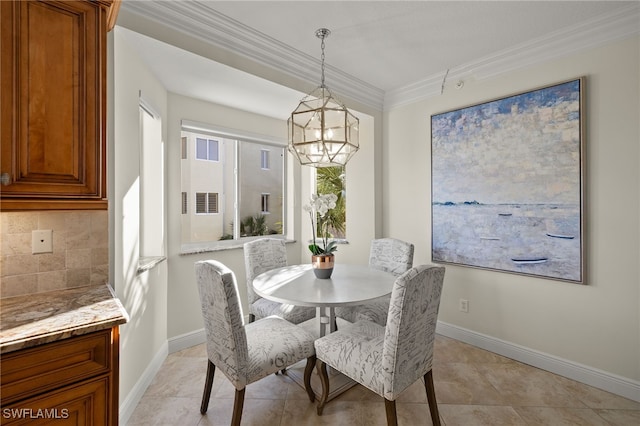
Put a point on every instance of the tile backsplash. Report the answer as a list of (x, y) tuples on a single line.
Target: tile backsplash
[(80, 251)]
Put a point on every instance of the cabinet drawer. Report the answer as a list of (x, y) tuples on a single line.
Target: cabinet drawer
[(39, 369)]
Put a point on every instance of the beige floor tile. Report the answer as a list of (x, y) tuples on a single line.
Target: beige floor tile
[(549, 416), (256, 412), (182, 377), (522, 385), (166, 411), (461, 383), (479, 415), (596, 398), (620, 417), (336, 413), (413, 414)]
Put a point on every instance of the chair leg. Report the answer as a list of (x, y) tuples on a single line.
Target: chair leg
[(431, 398), (308, 369), (390, 408), (238, 403), (206, 395), (324, 379)]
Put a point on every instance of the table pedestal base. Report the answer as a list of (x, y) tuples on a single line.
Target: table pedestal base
[(338, 383)]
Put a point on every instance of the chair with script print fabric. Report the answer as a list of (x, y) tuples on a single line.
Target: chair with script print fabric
[(245, 353), (389, 255), (261, 256), (387, 360)]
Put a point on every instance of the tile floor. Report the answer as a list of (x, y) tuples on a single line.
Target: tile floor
[(473, 387)]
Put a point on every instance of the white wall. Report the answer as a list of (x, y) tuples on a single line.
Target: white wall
[(596, 325), (143, 295)]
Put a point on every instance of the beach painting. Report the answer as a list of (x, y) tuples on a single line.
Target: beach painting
[(507, 184)]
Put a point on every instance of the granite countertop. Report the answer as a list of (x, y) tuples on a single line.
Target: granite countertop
[(34, 319)]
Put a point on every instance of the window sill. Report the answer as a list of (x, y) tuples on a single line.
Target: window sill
[(213, 246), (147, 263)]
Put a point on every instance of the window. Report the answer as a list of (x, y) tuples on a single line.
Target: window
[(207, 149), (244, 183), (151, 215), (206, 202), (264, 159), (331, 180), (185, 203)]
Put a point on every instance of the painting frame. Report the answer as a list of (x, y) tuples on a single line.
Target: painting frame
[(508, 183)]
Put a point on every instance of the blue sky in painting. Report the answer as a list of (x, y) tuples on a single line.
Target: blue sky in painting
[(519, 149)]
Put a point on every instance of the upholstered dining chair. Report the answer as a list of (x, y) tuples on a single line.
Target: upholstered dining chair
[(245, 353), (264, 255), (389, 255), (387, 360)]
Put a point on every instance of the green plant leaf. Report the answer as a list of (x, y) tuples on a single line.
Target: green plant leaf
[(331, 247), (315, 249)]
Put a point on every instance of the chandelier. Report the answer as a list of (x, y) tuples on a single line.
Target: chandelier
[(322, 132)]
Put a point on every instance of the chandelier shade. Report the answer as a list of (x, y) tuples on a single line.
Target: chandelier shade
[(322, 131)]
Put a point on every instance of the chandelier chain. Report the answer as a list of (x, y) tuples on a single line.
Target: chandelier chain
[(322, 63), (322, 33)]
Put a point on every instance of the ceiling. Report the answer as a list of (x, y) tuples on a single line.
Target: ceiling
[(380, 53)]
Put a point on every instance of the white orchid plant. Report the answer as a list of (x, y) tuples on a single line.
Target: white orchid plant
[(318, 209)]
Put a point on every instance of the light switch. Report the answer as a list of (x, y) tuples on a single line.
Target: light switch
[(42, 241)]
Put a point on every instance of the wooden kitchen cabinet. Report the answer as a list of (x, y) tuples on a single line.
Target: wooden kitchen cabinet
[(73, 381), (53, 103)]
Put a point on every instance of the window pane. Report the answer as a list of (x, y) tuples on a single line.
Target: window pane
[(228, 188), (256, 181), (201, 149), (213, 202), (201, 202), (213, 150), (151, 184), (331, 180), (264, 159)]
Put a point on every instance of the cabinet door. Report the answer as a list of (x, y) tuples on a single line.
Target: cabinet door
[(53, 103), (82, 404)]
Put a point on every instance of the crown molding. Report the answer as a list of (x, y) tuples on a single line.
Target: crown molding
[(587, 35), (199, 21)]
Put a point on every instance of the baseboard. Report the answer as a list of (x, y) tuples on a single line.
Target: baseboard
[(618, 385), (131, 401), (187, 340)]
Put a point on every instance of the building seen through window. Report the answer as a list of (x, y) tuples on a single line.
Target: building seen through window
[(232, 187)]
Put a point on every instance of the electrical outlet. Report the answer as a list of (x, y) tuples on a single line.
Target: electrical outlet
[(42, 241), (464, 305)]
